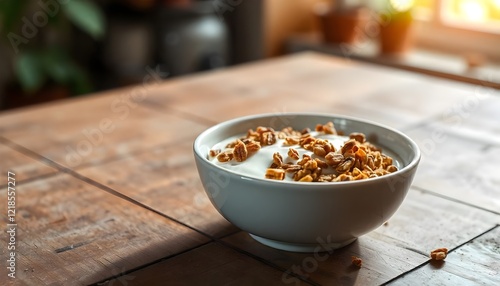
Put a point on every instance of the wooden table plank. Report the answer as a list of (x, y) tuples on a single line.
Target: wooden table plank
[(459, 166), (219, 102), (211, 264), (76, 133), (423, 223), (381, 261), (241, 82), (476, 263), (315, 83), (477, 116), (399, 104), (22, 165), (279, 71), (147, 230), (166, 180), (70, 232)]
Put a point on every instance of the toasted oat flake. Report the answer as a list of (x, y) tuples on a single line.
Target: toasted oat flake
[(214, 153), (275, 174), (277, 159), (225, 157), (268, 138), (240, 152), (360, 137), (253, 146), (319, 151), (294, 154), (356, 261), (306, 178), (439, 254), (290, 141), (355, 159), (334, 159)]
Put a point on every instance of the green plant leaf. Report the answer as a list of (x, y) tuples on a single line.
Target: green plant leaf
[(10, 12), (59, 66), (30, 71), (56, 63), (81, 83), (87, 16)]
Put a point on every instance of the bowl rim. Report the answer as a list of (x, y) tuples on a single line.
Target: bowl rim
[(413, 163)]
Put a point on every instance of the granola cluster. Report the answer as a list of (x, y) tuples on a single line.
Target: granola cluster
[(439, 254), (357, 159), (356, 261)]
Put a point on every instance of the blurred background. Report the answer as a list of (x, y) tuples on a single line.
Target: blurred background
[(54, 49)]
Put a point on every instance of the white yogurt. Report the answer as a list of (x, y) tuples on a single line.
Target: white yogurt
[(257, 163)]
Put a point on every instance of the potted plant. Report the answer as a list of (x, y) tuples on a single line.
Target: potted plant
[(342, 21), (396, 28), (37, 37)]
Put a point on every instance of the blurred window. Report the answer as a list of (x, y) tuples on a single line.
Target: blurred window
[(479, 15), (473, 14), (424, 9)]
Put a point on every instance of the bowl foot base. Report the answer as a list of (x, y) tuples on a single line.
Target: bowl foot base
[(302, 247)]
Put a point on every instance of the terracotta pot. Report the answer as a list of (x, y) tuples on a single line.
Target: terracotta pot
[(396, 37), (342, 26)]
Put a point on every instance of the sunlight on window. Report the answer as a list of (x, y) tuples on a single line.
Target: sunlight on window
[(472, 14), (473, 11), (402, 5), (460, 11), (424, 9)]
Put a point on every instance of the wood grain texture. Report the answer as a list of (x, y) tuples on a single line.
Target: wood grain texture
[(70, 232), (76, 133), (476, 263), (23, 166), (459, 166), (388, 251), (132, 206), (165, 179), (381, 261), (242, 80), (211, 264), (425, 222), (477, 116), (397, 102), (312, 83)]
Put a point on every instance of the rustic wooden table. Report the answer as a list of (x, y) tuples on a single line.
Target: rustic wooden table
[(106, 189)]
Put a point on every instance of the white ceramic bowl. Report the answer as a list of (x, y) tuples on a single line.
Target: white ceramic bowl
[(306, 217)]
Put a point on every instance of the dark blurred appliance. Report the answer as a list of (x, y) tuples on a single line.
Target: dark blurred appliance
[(191, 38)]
